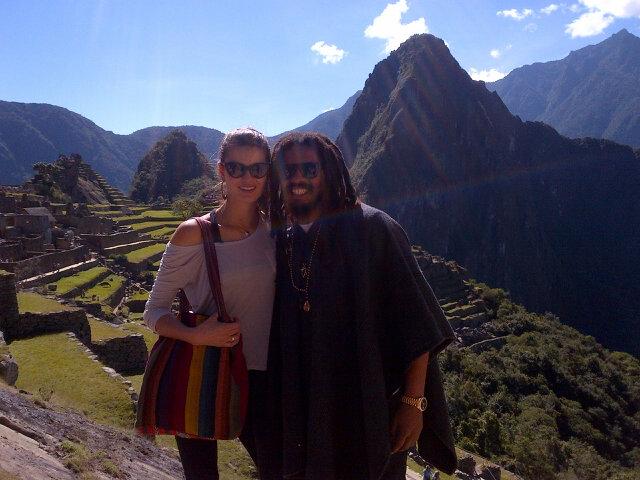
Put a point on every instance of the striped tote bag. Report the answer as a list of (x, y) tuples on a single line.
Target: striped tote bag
[(191, 390)]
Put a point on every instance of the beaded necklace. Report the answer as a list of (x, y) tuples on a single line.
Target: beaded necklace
[(305, 271)]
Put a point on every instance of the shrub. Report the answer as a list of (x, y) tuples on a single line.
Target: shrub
[(185, 207)]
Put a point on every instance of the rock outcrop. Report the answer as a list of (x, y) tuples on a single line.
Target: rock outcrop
[(38, 443)]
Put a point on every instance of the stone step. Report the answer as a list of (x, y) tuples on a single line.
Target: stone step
[(127, 247)]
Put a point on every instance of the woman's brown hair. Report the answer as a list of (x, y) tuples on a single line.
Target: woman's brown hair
[(249, 137)]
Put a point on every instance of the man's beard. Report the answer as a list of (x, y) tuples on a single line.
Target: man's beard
[(303, 209)]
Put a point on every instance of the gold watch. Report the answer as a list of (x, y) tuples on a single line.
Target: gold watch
[(420, 402)]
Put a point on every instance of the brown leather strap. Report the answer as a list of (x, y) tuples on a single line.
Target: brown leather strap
[(209, 232)]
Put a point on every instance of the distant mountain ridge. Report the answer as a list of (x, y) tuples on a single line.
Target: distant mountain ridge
[(593, 92), (551, 219), (330, 122), (34, 132)]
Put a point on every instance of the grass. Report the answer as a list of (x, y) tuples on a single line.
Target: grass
[(128, 217), (162, 232), (149, 336), (161, 214), (35, 303), (104, 331), (103, 290), (140, 255), (66, 284), (155, 223), (55, 367), (139, 295)]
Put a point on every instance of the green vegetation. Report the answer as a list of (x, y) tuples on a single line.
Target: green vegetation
[(185, 207), (551, 402), (35, 303), (158, 175), (104, 331), (160, 214), (142, 254), (140, 295), (66, 284), (149, 336), (104, 290), (162, 233), (76, 456), (56, 367), (154, 225)]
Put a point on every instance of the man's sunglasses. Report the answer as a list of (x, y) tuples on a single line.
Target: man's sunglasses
[(308, 169), (237, 170)]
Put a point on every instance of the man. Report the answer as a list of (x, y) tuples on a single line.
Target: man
[(356, 328)]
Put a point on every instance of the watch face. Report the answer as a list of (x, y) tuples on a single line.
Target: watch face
[(423, 404)]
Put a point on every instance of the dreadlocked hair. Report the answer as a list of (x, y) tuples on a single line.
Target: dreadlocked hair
[(340, 194)]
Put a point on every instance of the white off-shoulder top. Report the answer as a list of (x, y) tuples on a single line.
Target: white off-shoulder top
[(247, 273)]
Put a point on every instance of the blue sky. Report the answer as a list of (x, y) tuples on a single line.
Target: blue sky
[(275, 65)]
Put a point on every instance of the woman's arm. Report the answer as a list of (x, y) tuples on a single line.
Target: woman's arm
[(175, 272)]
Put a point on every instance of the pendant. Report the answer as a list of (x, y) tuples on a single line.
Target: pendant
[(306, 306)]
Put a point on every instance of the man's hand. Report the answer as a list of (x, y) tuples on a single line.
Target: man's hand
[(405, 429)]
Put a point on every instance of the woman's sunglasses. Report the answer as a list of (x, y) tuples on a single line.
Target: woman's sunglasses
[(237, 170), (308, 169)]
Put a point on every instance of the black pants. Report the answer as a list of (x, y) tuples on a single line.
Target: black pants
[(200, 457)]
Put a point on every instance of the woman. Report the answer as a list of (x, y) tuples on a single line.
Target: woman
[(247, 272)]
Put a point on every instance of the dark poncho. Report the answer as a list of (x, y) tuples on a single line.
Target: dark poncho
[(333, 370)]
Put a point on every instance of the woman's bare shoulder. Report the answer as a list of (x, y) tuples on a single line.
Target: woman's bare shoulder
[(188, 233)]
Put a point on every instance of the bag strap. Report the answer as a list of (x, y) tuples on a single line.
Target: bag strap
[(211, 233)]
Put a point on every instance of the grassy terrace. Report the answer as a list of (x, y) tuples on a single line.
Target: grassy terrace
[(154, 224), (35, 303), (104, 331), (160, 214), (66, 284), (104, 290), (163, 232), (139, 295), (55, 368), (142, 254)]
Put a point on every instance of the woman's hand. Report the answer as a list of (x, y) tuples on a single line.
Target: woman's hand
[(213, 333)]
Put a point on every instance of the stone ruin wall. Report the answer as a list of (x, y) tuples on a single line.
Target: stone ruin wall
[(46, 263), (36, 324), (126, 355), (9, 314), (100, 242)]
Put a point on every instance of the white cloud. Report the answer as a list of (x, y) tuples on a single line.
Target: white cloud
[(589, 24), (329, 53), (617, 8), (495, 53), (490, 75), (389, 27), (599, 15), (549, 9), (575, 8), (515, 14), (530, 27)]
